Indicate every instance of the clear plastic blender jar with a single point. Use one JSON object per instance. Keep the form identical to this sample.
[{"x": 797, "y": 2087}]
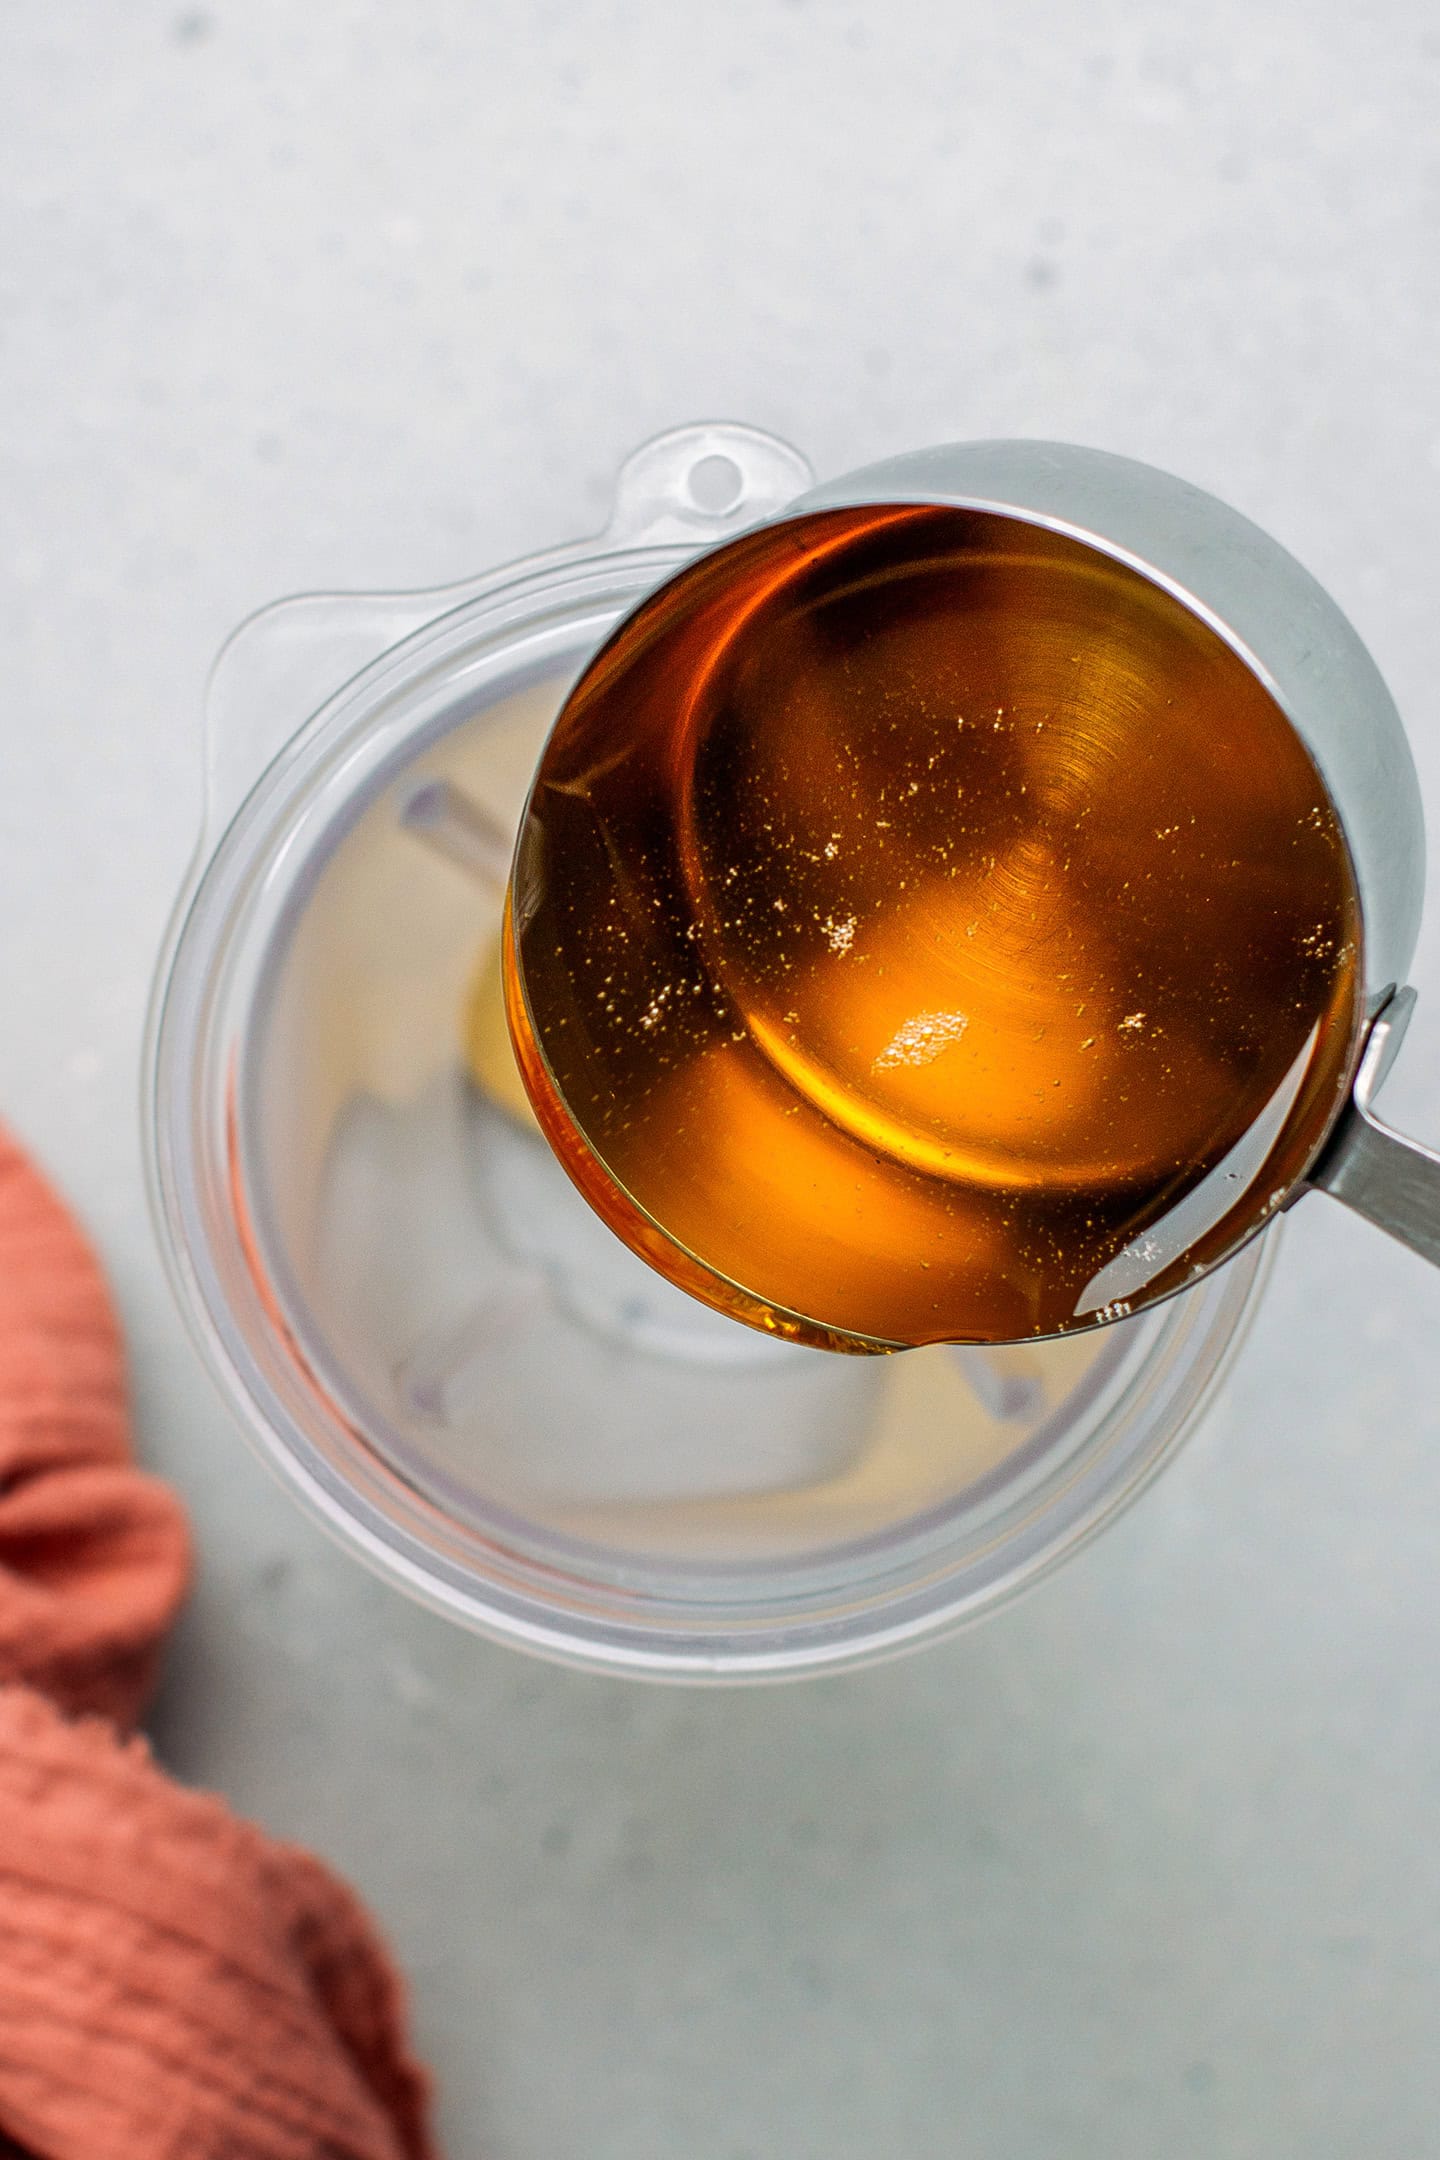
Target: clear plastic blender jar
[{"x": 419, "y": 1322}]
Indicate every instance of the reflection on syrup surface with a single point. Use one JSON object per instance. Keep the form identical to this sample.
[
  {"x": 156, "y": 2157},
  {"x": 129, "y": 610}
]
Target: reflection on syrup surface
[{"x": 914, "y": 907}]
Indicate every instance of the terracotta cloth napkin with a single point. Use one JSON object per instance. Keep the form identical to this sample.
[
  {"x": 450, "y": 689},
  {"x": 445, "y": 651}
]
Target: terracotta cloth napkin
[{"x": 173, "y": 1984}]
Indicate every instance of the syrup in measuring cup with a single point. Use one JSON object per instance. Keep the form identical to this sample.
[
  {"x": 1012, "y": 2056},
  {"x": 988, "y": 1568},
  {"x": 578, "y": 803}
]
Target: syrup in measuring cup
[{"x": 915, "y": 912}]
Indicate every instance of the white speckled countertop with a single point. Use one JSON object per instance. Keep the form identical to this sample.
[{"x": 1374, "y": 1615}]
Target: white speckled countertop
[{"x": 356, "y": 295}]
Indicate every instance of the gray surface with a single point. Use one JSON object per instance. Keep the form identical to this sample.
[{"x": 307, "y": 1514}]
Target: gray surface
[{"x": 352, "y": 295}]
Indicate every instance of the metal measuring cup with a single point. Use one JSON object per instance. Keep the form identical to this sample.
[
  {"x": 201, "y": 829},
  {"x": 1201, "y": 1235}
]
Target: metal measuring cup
[
  {"x": 1298, "y": 646},
  {"x": 1291, "y": 634}
]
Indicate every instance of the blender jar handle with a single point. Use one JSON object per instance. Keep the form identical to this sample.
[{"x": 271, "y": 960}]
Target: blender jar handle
[{"x": 1393, "y": 1182}]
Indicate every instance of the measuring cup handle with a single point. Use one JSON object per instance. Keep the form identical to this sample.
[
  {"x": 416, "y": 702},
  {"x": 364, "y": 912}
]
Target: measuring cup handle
[{"x": 1393, "y": 1182}]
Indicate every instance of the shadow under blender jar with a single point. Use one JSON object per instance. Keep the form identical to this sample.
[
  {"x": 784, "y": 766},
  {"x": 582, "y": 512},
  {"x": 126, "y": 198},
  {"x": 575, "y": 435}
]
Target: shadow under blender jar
[{"x": 421, "y": 1324}]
